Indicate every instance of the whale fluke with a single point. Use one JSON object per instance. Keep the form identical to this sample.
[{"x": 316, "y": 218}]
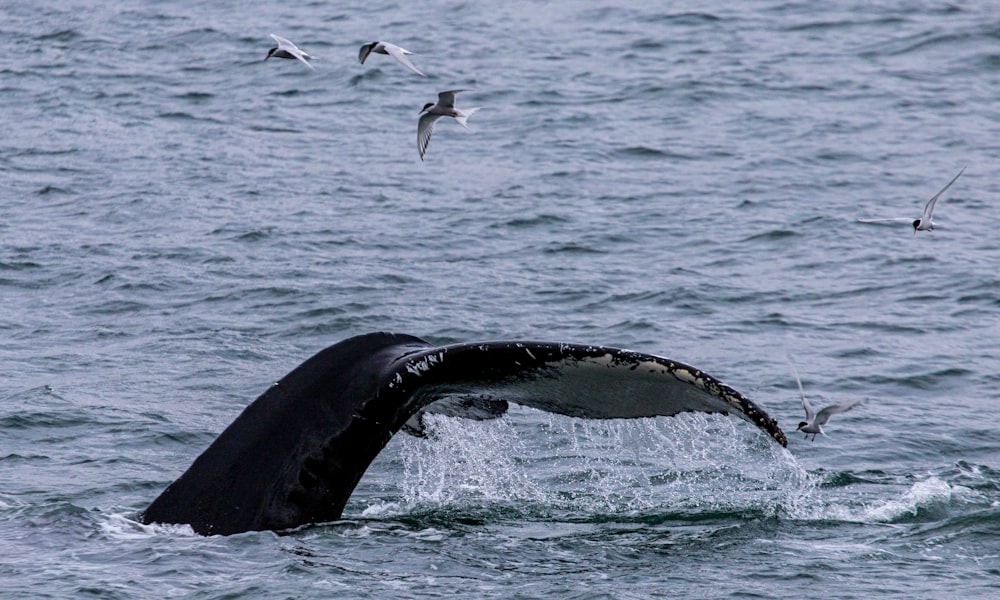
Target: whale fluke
[{"x": 295, "y": 455}]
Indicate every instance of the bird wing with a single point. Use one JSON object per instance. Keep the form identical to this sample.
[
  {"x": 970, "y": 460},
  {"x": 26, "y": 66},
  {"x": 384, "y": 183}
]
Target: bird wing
[
  {"x": 805, "y": 403},
  {"x": 447, "y": 99},
  {"x": 885, "y": 220},
  {"x": 400, "y": 55},
  {"x": 810, "y": 415},
  {"x": 425, "y": 127},
  {"x": 929, "y": 209},
  {"x": 292, "y": 49},
  {"x": 825, "y": 414},
  {"x": 365, "y": 51},
  {"x": 302, "y": 57}
]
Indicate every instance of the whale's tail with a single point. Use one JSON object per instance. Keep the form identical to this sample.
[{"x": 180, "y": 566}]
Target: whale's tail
[{"x": 295, "y": 455}]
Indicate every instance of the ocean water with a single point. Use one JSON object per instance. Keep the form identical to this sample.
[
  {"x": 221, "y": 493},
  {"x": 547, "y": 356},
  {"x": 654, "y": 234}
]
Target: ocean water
[{"x": 182, "y": 223}]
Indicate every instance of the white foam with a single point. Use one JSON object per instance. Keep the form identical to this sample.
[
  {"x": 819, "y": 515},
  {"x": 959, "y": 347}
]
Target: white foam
[
  {"x": 922, "y": 494},
  {"x": 382, "y": 509},
  {"x": 120, "y": 527}
]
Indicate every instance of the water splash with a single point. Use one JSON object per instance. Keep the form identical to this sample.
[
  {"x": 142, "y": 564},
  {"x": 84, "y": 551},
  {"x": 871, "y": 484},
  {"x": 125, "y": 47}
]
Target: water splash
[
  {"x": 692, "y": 463},
  {"x": 466, "y": 459},
  {"x": 691, "y": 466}
]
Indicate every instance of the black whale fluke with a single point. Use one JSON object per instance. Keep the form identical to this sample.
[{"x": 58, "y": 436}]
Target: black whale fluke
[{"x": 295, "y": 455}]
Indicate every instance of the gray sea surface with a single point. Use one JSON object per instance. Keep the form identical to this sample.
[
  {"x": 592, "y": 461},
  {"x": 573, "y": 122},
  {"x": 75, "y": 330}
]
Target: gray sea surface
[{"x": 182, "y": 223}]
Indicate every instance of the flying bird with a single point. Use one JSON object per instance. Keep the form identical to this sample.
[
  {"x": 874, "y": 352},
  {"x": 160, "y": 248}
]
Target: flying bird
[
  {"x": 925, "y": 222},
  {"x": 286, "y": 49},
  {"x": 431, "y": 112},
  {"x": 814, "y": 421},
  {"x": 390, "y": 49}
]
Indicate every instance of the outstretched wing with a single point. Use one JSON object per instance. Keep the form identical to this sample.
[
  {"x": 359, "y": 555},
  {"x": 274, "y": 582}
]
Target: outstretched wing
[
  {"x": 295, "y": 455},
  {"x": 447, "y": 99},
  {"x": 400, "y": 55},
  {"x": 929, "y": 208},
  {"x": 425, "y": 129},
  {"x": 365, "y": 51},
  {"x": 824, "y": 415},
  {"x": 283, "y": 43},
  {"x": 887, "y": 220},
  {"x": 805, "y": 403}
]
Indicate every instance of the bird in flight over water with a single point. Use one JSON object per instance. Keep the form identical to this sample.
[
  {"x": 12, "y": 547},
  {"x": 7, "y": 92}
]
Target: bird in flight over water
[
  {"x": 390, "y": 49},
  {"x": 814, "y": 421},
  {"x": 286, "y": 49},
  {"x": 925, "y": 222},
  {"x": 431, "y": 112}
]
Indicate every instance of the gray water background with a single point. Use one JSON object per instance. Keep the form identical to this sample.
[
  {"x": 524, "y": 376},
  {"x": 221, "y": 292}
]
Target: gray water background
[{"x": 182, "y": 223}]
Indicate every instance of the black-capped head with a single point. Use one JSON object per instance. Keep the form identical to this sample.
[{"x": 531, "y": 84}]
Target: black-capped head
[
  {"x": 270, "y": 53},
  {"x": 426, "y": 106},
  {"x": 801, "y": 425},
  {"x": 916, "y": 224}
]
